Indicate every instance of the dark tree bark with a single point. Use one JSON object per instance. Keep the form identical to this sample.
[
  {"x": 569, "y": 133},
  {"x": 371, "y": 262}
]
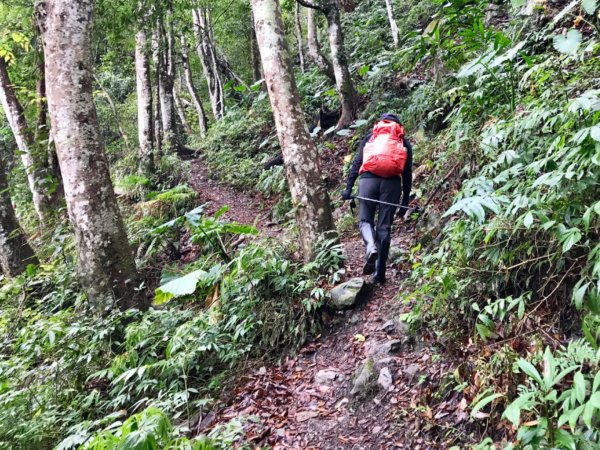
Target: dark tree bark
[
  {"x": 15, "y": 251},
  {"x": 313, "y": 208},
  {"x": 106, "y": 266}
]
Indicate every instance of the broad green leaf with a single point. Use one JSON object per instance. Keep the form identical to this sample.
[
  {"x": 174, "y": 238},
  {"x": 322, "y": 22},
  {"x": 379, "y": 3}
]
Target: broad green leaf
[
  {"x": 589, "y": 6},
  {"x": 528, "y": 368},
  {"x": 595, "y": 399},
  {"x": 483, "y": 402},
  {"x": 565, "y": 439},
  {"x": 574, "y": 416},
  {"x": 573, "y": 237},
  {"x": 596, "y": 385},
  {"x": 579, "y": 386},
  {"x": 588, "y": 414},
  {"x": 549, "y": 369},
  {"x": 528, "y": 221},
  {"x": 568, "y": 44},
  {"x": 579, "y": 293},
  {"x": 595, "y": 133},
  {"x": 513, "y": 411},
  {"x": 179, "y": 287}
]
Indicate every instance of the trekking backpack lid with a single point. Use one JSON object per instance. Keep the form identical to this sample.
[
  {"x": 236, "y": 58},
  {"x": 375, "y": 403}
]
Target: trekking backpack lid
[{"x": 391, "y": 117}]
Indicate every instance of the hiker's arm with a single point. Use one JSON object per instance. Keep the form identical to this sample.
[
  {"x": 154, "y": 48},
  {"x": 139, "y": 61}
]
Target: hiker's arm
[
  {"x": 356, "y": 164},
  {"x": 407, "y": 174}
]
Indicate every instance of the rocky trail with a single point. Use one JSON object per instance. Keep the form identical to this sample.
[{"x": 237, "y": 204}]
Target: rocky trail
[{"x": 365, "y": 383}]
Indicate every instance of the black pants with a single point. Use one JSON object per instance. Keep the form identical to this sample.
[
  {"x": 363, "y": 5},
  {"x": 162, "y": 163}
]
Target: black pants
[{"x": 386, "y": 190}]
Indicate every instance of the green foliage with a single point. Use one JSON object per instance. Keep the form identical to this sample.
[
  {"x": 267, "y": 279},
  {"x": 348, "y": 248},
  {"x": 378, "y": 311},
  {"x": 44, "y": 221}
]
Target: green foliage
[{"x": 236, "y": 146}]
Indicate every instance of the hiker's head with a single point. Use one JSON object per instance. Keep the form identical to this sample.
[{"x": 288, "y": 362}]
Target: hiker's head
[{"x": 390, "y": 117}]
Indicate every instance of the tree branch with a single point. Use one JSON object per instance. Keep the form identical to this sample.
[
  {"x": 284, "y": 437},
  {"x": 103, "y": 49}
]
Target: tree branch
[{"x": 317, "y": 6}]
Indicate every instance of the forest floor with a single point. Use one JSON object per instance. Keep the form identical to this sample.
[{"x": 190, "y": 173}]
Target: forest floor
[{"x": 306, "y": 401}]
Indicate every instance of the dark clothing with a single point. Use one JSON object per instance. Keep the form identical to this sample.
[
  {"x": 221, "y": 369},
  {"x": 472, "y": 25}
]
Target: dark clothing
[
  {"x": 386, "y": 190},
  {"x": 389, "y": 190},
  {"x": 405, "y": 179}
]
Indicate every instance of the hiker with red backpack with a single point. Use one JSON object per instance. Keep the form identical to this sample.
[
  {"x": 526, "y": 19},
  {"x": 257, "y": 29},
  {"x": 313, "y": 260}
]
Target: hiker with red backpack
[{"x": 384, "y": 164}]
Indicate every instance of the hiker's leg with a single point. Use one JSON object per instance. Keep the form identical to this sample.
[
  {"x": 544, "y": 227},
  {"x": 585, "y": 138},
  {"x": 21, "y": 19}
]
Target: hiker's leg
[
  {"x": 390, "y": 192},
  {"x": 369, "y": 188}
]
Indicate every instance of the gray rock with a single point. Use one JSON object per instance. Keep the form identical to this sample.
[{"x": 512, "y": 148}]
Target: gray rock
[
  {"x": 364, "y": 378},
  {"x": 395, "y": 327},
  {"x": 412, "y": 371},
  {"x": 385, "y": 379},
  {"x": 327, "y": 376},
  {"x": 396, "y": 254},
  {"x": 347, "y": 294},
  {"x": 391, "y": 347}
]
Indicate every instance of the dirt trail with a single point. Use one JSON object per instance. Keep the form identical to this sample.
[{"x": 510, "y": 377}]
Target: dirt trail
[
  {"x": 306, "y": 402},
  {"x": 243, "y": 207}
]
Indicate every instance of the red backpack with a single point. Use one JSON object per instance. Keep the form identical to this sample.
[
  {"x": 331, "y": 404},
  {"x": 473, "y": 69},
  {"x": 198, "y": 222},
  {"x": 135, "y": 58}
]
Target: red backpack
[{"x": 384, "y": 155}]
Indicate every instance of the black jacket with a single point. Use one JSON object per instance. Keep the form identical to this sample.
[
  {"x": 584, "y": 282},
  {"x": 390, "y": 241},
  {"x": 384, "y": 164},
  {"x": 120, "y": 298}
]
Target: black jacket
[{"x": 406, "y": 174}]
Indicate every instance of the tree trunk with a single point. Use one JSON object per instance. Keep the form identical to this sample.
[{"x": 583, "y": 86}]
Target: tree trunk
[
  {"x": 181, "y": 113},
  {"x": 255, "y": 55},
  {"x": 300, "y": 43},
  {"x": 42, "y": 131},
  {"x": 158, "y": 131},
  {"x": 15, "y": 251},
  {"x": 189, "y": 82},
  {"x": 166, "y": 80},
  {"x": 343, "y": 79},
  {"x": 314, "y": 47},
  {"x": 34, "y": 160},
  {"x": 106, "y": 266},
  {"x": 348, "y": 5},
  {"x": 144, "y": 103},
  {"x": 313, "y": 209},
  {"x": 393, "y": 26},
  {"x": 208, "y": 58}
]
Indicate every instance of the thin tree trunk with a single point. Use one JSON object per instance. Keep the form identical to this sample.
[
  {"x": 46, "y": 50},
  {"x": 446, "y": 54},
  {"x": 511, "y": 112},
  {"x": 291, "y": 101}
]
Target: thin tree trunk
[
  {"x": 255, "y": 54},
  {"x": 313, "y": 209},
  {"x": 181, "y": 114},
  {"x": 393, "y": 26},
  {"x": 34, "y": 161},
  {"x": 114, "y": 110},
  {"x": 299, "y": 40},
  {"x": 189, "y": 82},
  {"x": 106, "y": 266},
  {"x": 42, "y": 131},
  {"x": 158, "y": 131},
  {"x": 15, "y": 251},
  {"x": 343, "y": 79},
  {"x": 314, "y": 47},
  {"x": 144, "y": 103},
  {"x": 208, "y": 58},
  {"x": 226, "y": 69},
  {"x": 167, "y": 84}
]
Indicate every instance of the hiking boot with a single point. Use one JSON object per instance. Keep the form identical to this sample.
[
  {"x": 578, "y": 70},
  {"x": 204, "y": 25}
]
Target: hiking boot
[
  {"x": 381, "y": 261},
  {"x": 371, "y": 261},
  {"x": 379, "y": 279}
]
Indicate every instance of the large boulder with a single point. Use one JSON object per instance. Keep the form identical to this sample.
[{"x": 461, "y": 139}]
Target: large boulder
[{"x": 347, "y": 294}]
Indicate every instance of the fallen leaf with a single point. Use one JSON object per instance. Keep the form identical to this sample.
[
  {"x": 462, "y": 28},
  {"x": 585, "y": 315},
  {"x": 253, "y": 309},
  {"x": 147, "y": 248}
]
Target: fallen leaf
[
  {"x": 359, "y": 338},
  {"x": 303, "y": 416}
]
